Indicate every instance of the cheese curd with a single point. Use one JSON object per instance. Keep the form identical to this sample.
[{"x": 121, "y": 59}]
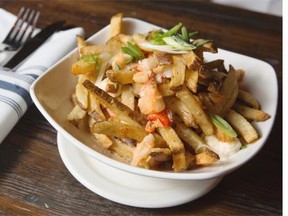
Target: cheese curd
[{"x": 223, "y": 149}]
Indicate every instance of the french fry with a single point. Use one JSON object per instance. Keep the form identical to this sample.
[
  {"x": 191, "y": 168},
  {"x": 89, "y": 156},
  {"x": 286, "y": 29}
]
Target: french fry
[
  {"x": 191, "y": 79},
  {"x": 190, "y": 159},
  {"x": 177, "y": 106},
  {"x": 113, "y": 45},
  {"x": 81, "y": 96},
  {"x": 91, "y": 77},
  {"x": 116, "y": 106},
  {"x": 123, "y": 76},
  {"x": 101, "y": 73},
  {"x": 196, "y": 110},
  {"x": 172, "y": 139},
  {"x": 91, "y": 121},
  {"x": 163, "y": 58},
  {"x": 118, "y": 129},
  {"x": 159, "y": 141},
  {"x": 94, "y": 109},
  {"x": 116, "y": 24},
  {"x": 80, "y": 43},
  {"x": 124, "y": 38},
  {"x": 178, "y": 74},
  {"x": 248, "y": 98},
  {"x": 92, "y": 50},
  {"x": 76, "y": 115},
  {"x": 165, "y": 90},
  {"x": 192, "y": 61},
  {"x": 127, "y": 96},
  {"x": 161, "y": 154},
  {"x": 229, "y": 91},
  {"x": 103, "y": 139},
  {"x": 151, "y": 163},
  {"x": 206, "y": 157},
  {"x": 179, "y": 161},
  {"x": 240, "y": 124},
  {"x": 83, "y": 67},
  {"x": 123, "y": 151},
  {"x": 251, "y": 113},
  {"x": 207, "y": 104},
  {"x": 191, "y": 138}
]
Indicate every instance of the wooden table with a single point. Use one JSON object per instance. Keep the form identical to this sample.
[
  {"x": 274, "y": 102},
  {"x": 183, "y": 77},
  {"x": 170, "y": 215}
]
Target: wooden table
[{"x": 33, "y": 178}]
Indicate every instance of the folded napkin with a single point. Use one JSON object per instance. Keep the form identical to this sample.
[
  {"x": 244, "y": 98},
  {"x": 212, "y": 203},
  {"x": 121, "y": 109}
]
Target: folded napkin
[{"x": 14, "y": 86}]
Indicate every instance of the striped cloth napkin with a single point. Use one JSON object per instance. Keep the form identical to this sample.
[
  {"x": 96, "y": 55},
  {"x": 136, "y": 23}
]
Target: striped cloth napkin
[{"x": 14, "y": 86}]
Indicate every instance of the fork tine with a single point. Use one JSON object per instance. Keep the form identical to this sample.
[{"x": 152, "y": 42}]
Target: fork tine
[
  {"x": 20, "y": 32},
  {"x": 30, "y": 24},
  {"x": 33, "y": 24},
  {"x": 14, "y": 28}
]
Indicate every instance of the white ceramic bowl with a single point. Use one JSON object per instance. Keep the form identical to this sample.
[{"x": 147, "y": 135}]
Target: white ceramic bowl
[{"x": 135, "y": 186}]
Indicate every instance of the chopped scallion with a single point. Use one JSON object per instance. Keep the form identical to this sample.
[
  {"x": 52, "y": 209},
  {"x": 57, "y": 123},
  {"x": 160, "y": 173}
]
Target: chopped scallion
[
  {"x": 201, "y": 43},
  {"x": 133, "y": 50},
  {"x": 92, "y": 59},
  {"x": 185, "y": 35},
  {"x": 223, "y": 125},
  {"x": 173, "y": 30},
  {"x": 192, "y": 34},
  {"x": 178, "y": 43}
]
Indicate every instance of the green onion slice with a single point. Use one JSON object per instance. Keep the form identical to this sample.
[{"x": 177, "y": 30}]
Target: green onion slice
[
  {"x": 162, "y": 48},
  {"x": 178, "y": 38},
  {"x": 192, "y": 34},
  {"x": 223, "y": 125},
  {"x": 201, "y": 43},
  {"x": 178, "y": 43},
  {"x": 133, "y": 50},
  {"x": 92, "y": 59},
  {"x": 185, "y": 34},
  {"x": 173, "y": 31}
]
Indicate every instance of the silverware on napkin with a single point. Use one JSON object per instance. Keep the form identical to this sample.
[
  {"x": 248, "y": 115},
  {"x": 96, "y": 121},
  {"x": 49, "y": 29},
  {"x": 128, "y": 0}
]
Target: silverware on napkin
[
  {"x": 15, "y": 84},
  {"x": 21, "y": 30},
  {"x": 33, "y": 44}
]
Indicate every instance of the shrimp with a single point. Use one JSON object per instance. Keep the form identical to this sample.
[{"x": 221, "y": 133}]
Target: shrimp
[
  {"x": 149, "y": 63},
  {"x": 142, "y": 77},
  {"x": 143, "y": 149},
  {"x": 151, "y": 100}
]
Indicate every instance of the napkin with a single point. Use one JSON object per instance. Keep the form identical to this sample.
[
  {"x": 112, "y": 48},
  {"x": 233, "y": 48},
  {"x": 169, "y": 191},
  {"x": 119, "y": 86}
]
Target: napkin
[{"x": 14, "y": 86}]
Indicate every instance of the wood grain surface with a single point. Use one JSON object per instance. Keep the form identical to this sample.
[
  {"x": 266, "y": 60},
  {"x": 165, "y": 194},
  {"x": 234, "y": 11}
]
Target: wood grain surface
[{"x": 33, "y": 178}]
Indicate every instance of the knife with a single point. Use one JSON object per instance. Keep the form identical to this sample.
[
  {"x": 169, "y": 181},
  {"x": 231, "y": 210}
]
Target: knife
[{"x": 33, "y": 44}]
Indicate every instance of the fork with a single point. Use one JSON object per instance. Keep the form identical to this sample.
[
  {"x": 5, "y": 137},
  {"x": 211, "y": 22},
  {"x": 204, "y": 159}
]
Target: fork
[{"x": 21, "y": 30}]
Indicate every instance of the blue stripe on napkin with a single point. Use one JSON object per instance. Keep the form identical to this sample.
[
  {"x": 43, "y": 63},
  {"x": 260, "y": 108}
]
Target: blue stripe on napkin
[
  {"x": 28, "y": 78},
  {"x": 16, "y": 107},
  {"x": 18, "y": 90}
]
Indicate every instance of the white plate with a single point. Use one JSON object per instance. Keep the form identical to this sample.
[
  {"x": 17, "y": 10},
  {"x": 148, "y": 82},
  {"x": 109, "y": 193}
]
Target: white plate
[
  {"x": 126, "y": 188},
  {"x": 52, "y": 92}
]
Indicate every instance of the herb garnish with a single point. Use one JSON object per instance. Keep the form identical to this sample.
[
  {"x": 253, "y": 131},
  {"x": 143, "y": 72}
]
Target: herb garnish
[
  {"x": 133, "y": 50},
  {"x": 223, "y": 125},
  {"x": 92, "y": 59}
]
